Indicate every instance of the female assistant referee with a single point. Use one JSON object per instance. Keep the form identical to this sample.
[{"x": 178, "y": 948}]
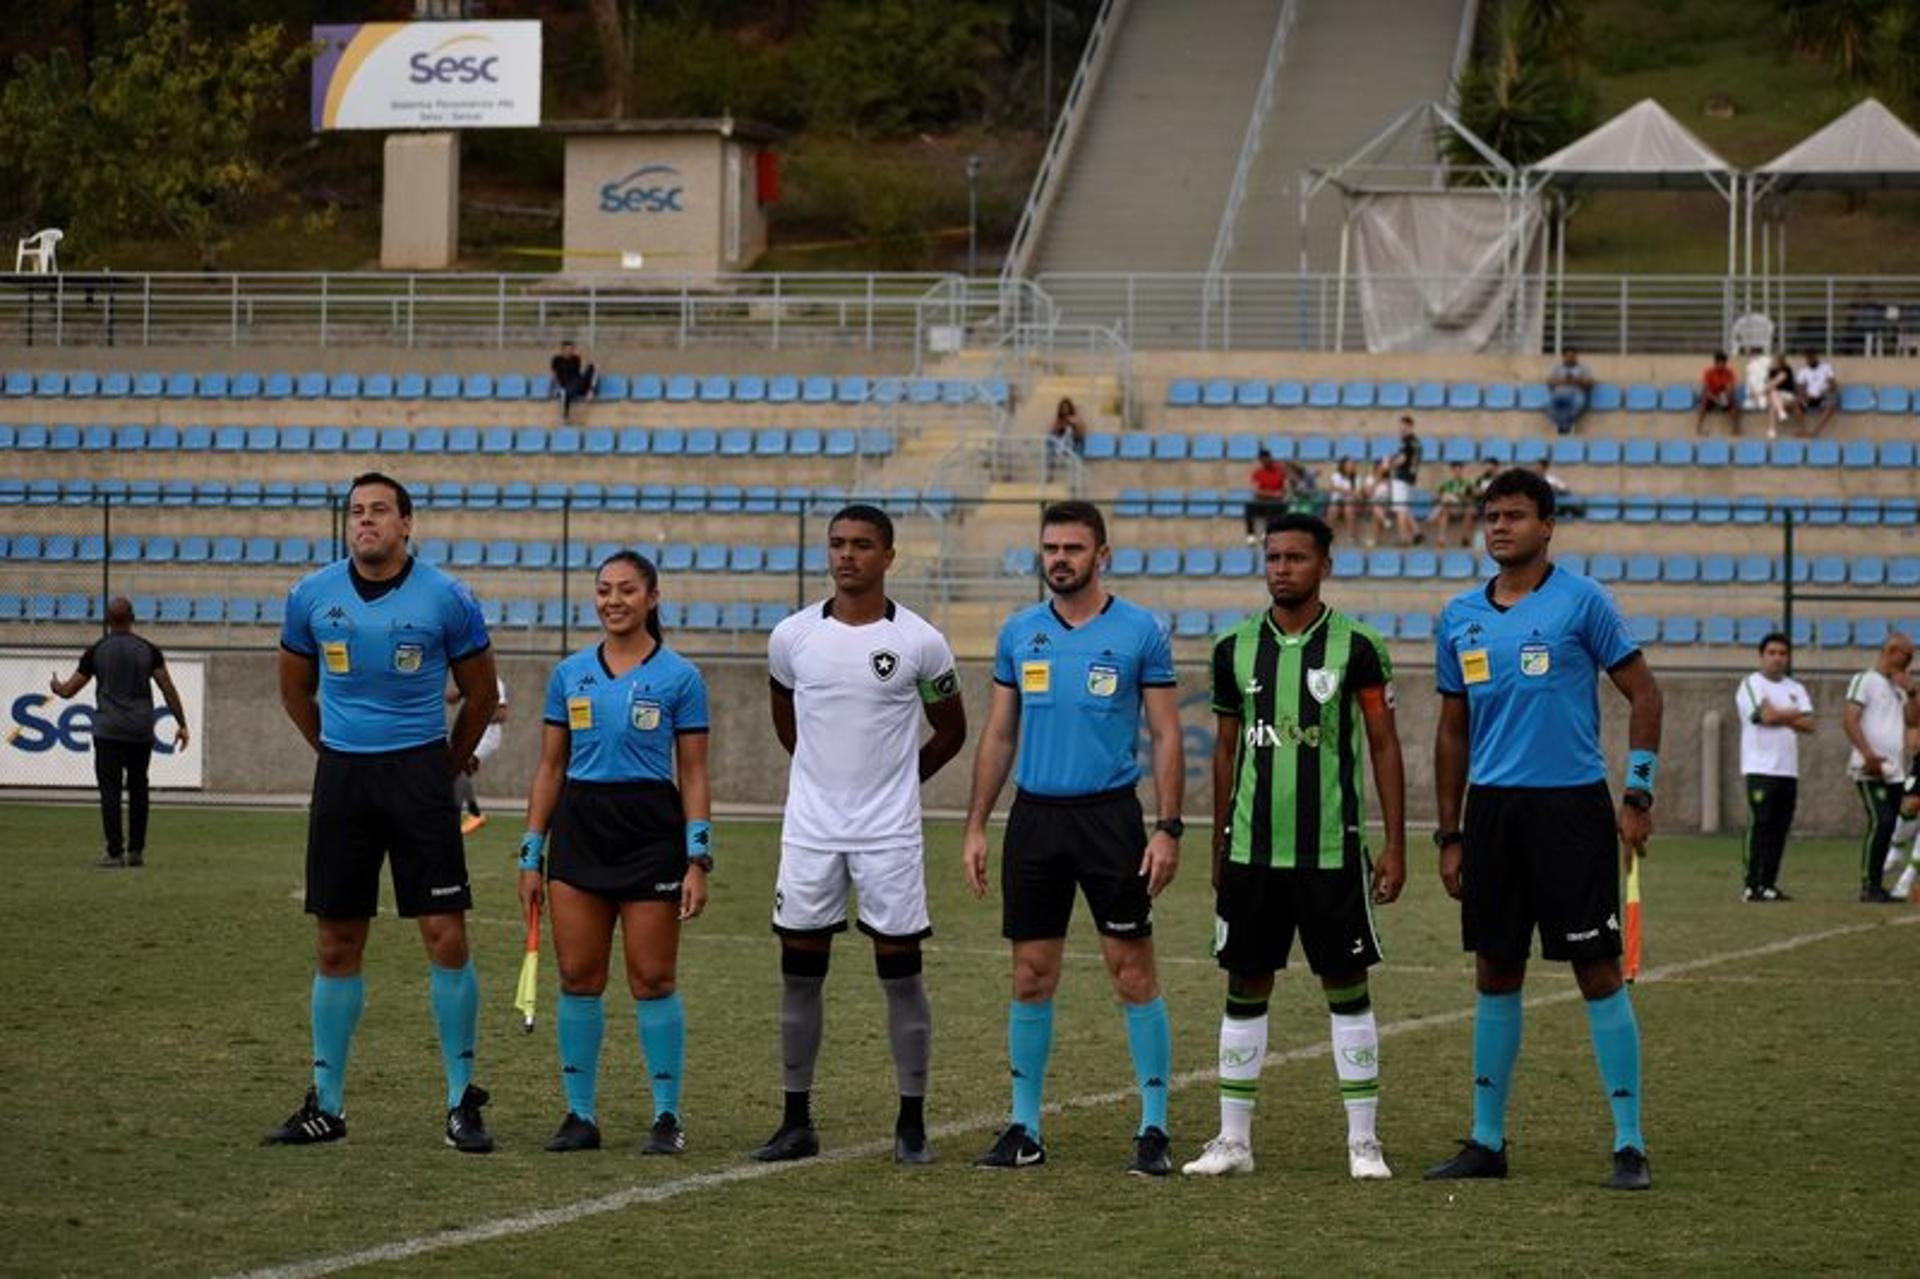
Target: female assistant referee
[{"x": 627, "y": 843}]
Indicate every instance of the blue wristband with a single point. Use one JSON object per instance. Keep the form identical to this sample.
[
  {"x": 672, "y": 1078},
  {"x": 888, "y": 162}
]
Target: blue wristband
[
  {"x": 1643, "y": 769},
  {"x": 533, "y": 851},
  {"x": 699, "y": 839}
]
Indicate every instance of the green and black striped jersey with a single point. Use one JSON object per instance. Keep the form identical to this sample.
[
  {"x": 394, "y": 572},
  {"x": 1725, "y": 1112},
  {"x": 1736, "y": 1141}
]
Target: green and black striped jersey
[{"x": 1297, "y": 773}]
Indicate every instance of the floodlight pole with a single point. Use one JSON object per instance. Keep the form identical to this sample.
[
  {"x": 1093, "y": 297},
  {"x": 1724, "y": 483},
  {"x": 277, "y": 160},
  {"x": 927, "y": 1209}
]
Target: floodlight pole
[{"x": 973, "y": 213}]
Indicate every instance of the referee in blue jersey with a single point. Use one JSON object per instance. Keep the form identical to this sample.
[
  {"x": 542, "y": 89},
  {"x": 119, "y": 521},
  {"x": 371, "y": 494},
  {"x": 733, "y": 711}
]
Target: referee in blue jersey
[
  {"x": 1518, "y": 663},
  {"x": 1071, "y": 678},
  {"x": 628, "y": 844},
  {"x": 364, "y": 656}
]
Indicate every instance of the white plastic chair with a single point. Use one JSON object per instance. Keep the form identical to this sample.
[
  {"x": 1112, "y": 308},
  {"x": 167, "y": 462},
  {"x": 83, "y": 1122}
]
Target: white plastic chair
[
  {"x": 35, "y": 254},
  {"x": 1750, "y": 333}
]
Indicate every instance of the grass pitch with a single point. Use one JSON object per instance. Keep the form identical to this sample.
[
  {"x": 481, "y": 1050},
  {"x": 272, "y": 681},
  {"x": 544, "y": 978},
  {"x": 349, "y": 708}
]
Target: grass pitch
[{"x": 154, "y": 1024}]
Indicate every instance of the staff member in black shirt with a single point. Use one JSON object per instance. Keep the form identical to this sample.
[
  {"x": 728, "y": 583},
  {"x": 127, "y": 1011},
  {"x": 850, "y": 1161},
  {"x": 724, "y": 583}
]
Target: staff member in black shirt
[{"x": 125, "y": 666}]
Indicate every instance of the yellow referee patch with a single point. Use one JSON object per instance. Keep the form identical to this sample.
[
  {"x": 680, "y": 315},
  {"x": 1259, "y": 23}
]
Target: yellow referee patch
[
  {"x": 579, "y": 713},
  {"x": 1036, "y": 677},
  {"x": 335, "y": 653},
  {"x": 1473, "y": 666}
]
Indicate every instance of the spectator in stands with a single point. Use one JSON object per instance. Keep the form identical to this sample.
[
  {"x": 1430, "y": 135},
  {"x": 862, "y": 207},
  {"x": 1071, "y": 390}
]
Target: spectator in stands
[
  {"x": 1402, "y": 476},
  {"x": 572, "y": 380},
  {"x": 1068, "y": 429},
  {"x": 1758, "y": 367},
  {"x": 1345, "y": 494},
  {"x": 1719, "y": 392},
  {"x": 125, "y": 665},
  {"x": 1569, "y": 384},
  {"x": 1783, "y": 395},
  {"x": 1488, "y": 470},
  {"x": 1272, "y": 485},
  {"x": 1564, "y": 503},
  {"x": 1379, "y": 499},
  {"x": 1453, "y": 500},
  {"x": 1819, "y": 391}
]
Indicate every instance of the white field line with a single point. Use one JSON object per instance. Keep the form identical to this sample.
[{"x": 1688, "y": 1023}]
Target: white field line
[{"x": 549, "y": 1218}]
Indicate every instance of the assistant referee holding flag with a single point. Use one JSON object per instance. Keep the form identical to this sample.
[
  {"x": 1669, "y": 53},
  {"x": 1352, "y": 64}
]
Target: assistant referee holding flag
[
  {"x": 1518, "y": 663},
  {"x": 364, "y": 656}
]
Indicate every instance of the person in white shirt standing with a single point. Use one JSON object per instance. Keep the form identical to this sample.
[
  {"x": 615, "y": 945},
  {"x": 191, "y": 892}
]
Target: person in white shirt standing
[
  {"x": 1774, "y": 711},
  {"x": 850, "y": 676},
  {"x": 1876, "y": 724},
  {"x": 1819, "y": 389}
]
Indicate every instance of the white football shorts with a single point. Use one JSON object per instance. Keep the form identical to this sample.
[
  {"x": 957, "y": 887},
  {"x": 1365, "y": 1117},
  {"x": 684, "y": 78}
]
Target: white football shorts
[{"x": 810, "y": 894}]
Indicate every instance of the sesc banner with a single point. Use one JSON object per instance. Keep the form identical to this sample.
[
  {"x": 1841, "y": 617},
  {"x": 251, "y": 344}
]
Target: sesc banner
[
  {"x": 427, "y": 75},
  {"x": 49, "y": 742}
]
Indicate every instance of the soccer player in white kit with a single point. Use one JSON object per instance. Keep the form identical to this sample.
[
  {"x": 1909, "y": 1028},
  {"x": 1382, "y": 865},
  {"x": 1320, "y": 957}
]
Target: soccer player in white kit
[{"x": 850, "y": 678}]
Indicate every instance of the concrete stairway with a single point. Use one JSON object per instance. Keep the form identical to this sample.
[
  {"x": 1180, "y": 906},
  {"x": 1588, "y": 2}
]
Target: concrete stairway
[
  {"x": 1351, "y": 67},
  {"x": 1149, "y": 176}
]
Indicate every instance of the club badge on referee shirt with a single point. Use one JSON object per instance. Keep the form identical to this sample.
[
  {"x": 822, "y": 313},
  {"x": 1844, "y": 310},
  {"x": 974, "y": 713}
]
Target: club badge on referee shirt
[
  {"x": 1535, "y": 659},
  {"x": 644, "y": 715},
  {"x": 407, "y": 657},
  {"x": 1103, "y": 681},
  {"x": 884, "y": 664},
  {"x": 1323, "y": 682}
]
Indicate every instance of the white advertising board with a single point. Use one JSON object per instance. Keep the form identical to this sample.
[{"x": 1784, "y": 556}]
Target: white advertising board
[
  {"x": 426, "y": 75},
  {"x": 45, "y": 741}
]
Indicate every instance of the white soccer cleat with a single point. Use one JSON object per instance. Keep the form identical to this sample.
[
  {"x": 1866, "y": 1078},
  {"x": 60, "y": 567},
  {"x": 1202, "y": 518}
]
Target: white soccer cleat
[
  {"x": 1222, "y": 1157},
  {"x": 1903, "y": 887},
  {"x": 1892, "y": 862},
  {"x": 1367, "y": 1162}
]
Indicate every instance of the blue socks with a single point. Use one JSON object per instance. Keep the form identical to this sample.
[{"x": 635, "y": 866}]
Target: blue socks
[
  {"x": 1616, "y": 1044},
  {"x": 336, "y": 1011},
  {"x": 456, "y": 1015},
  {"x": 1029, "y": 1044},
  {"x": 663, "y": 1038},
  {"x": 1150, "y": 1039},
  {"x": 1496, "y": 1046},
  {"x": 581, "y": 1023}
]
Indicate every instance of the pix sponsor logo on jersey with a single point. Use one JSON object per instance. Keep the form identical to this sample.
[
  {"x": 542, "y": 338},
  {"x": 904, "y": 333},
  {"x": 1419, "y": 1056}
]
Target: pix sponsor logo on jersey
[
  {"x": 33, "y": 728},
  {"x": 651, "y": 188}
]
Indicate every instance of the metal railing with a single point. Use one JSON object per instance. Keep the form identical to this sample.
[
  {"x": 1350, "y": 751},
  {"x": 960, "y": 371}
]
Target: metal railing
[
  {"x": 1600, "y": 314},
  {"x": 237, "y": 309},
  {"x": 1066, "y": 129}
]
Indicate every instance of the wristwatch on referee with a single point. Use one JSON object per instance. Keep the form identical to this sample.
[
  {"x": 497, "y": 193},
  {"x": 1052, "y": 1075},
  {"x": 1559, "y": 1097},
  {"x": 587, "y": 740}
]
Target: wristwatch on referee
[
  {"x": 1442, "y": 838},
  {"x": 1171, "y": 826},
  {"x": 1637, "y": 799}
]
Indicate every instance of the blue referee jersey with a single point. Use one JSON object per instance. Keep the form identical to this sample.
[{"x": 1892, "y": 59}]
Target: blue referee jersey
[
  {"x": 1530, "y": 674},
  {"x": 383, "y": 649},
  {"x": 621, "y": 728},
  {"x": 1080, "y": 694}
]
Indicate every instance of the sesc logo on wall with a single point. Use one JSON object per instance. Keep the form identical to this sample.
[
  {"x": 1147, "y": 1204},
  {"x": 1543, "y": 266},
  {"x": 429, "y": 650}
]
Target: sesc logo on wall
[
  {"x": 45, "y": 741},
  {"x": 426, "y": 75}
]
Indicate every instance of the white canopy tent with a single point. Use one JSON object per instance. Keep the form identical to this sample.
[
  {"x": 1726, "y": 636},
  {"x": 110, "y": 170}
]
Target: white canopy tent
[
  {"x": 1642, "y": 148},
  {"x": 1439, "y": 251},
  {"x": 1868, "y": 148}
]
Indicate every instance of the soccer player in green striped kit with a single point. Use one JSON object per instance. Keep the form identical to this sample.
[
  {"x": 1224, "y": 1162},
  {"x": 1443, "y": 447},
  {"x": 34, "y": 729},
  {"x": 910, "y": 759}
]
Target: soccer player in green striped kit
[{"x": 1299, "y": 690}]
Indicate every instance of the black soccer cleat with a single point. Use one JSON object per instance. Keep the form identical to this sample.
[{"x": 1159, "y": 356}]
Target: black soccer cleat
[
  {"x": 1473, "y": 1162},
  {"x": 667, "y": 1137},
  {"x": 136, "y": 858},
  {"x": 1876, "y": 894},
  {"x": 111, "y": 861},
  {"x": 574, "y": 1133},
  {"x": 466, "y": 1130},
  {"x": 307, "y": 1126},
  {"x": 1630, "y": 1170},
  {"x": 910, "y": 1146},
  {"x": 796, "y": 1141},
  {"x": 1014, "y": 1148},
  {"x": 1772, "y": 894},
  {"x": 1152, "y": 1155}
]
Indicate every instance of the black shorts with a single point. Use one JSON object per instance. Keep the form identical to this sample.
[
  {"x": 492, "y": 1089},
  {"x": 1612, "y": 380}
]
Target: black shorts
[
  {"x": 1094, "y": 842},
  {"x": 621, "y": 840},
  {"x": 396, "y": 804},
  {"x": 1258, "y": 908},
  {"x": 1546, "y": 856}
]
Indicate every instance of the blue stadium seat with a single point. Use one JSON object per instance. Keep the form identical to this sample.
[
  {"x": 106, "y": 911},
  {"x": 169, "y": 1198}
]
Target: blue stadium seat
[
  {"x": 1676, "y": 397},
  {"x": 1642, "y": 569},
  {"x": 1644, "y": 629},
  {"x": 1714, "y": 453},
  {"x": 241, "y": 386},
  {"x": 1604, "y": 451},
  {"x": 1183, "y": 393},
  {"x": 1870, "y": 632},
  {"x": 1857, "y": 399},
  {"x": 176, "y": 386},
  {"x": 1530, "y": 450},
  {"x": 1834, "y": 632},
  {"x": 443, "y": 386},
  {"x": 1718, "y": 629},
  {"x": 1497, "y": 448},
  {"x": 1429, "y": 395},
  {"x": 1676, "y": 453},
  {"x": 17, "y": 383},
  {"x": 83, "y": 384},
  {"x": 1867, "y": 570},
  {"x": 1788, "y": 453},
  {"x": 1163, "y": 561},
  {"x": 1252, "y": 393},
  {"x": 1863, "y": 512},
  {"x": 1384, "y": 563},
  {"x": 1894, "y": 399},
  {"x": 689, "y": 499},
  {"x": 310, "y": 386},
  {"x": 227, "y": 550},
  {"x": 1127, "y": 561},
  {"x": 1357, "y": 395},
  {"x": 749, "y": 388},
  {"x": 1903, "y": 572},
  {"x": 277, "y": 386},
  {"x": 1683, "y": 569},
  {"x": 1200, "y": 561},
  {"x": 1829, "y": 570},
  {"x": 1387, "y": 623},
  {"x": 1823, "y": 453},
  {"x": 1681, "y": 631},
  {"x": 1416, "y": 627},
  {"x": 1170, "y": 447},
  {"x": 1640, "y": 452},
  {"x": 701, "y": 616},
  {"x": 1605, "y": 566},
  {"x": 510, "y": 386},
  {"x": 702, "y": 442},
  {"x": 347, "y": 386},
  {"x": 852, "y": 389},
  {"x": 1289, "y": 394},
  {"x": 477, "y": 386},
  {"x": 1323, "y": 395},
  {"x": 819, "y": 389},
  {"x": 841, "y": 442},
  {"x": 1859, "y": 455},
  {"x": 1463, "y": 395},
  {"x": 668, "y": 442},
  {"x": 1606, "y": 397},
  {"x": 1420, "y": 565},
  {"x": 1192, "y": 623},
  {"x": 409, "y": 386},
  {"x": 1219, "y": 393},
  {"x": 1500, "y": 397},
  {"x": 1394, "y": 395}
]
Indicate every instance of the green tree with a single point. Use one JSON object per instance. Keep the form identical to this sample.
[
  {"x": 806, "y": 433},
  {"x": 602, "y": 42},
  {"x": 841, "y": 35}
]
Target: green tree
[
  {"x": 160, "y": 135},
  {"x": 1839, "y": 31},
  {"x": 893, "y": 66},
  {"x": 1896, "y": 54},
  {"x": 1518, "y": 96}
]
